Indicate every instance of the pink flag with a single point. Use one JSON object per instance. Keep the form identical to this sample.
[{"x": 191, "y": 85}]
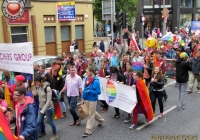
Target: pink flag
[{"x": 134, "y": 43}]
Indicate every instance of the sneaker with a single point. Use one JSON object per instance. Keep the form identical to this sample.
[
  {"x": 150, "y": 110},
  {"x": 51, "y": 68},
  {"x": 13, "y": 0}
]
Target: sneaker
[
  {"x": 198, "y": 91},
  {"x": 145, "y": 121},
  {"x": 86, "y": 134},
  {"x": 165, "y": 98},
  {"x": 127, "y": 120},
  {"x": 161, "y": 115},
  {"x": 100, "y": 124},
  {"x": 42, "y": 134},
  {"x": 63, "y": 115},
  {"x": 54, "y": 137},
  {"x": 189, "y": 92},
  {"x": 132, "y": 126},
  {"x": 104, "y": 110}
]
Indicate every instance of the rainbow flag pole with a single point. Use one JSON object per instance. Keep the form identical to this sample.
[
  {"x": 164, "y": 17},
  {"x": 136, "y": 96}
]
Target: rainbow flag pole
[{"x": 5, "y": 131}]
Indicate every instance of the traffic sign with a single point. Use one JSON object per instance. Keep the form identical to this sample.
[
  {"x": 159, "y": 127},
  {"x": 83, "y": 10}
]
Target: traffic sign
[{"x": 165, "y": 12}]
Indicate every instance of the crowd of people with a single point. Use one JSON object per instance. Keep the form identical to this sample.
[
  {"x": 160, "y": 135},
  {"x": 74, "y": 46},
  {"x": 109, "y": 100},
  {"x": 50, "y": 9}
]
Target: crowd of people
[{"x": 35, "y": 97}]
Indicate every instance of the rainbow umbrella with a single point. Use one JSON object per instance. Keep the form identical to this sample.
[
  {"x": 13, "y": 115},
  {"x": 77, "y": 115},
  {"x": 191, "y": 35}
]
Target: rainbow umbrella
[{"x": 168, "y": 38}]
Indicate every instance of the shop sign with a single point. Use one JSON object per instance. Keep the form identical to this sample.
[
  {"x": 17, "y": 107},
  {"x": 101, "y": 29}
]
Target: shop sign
[
  {"x": 13, "y": 9},
  {"x": 66, "y": 11},
  {"x": 25, "y": 19}
]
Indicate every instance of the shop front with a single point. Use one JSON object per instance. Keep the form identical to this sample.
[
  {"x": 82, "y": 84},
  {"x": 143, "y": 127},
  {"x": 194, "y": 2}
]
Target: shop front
[{"x": 51, "y": 33}]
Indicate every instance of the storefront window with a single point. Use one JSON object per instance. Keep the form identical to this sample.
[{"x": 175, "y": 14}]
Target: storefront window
[
  {"x": 19, "y": 34},
  {"x": 186, "y": 3},
  {"x": 159, "y": 3},
  {"x": 185, "y": 20},
  {"x": 197, "y": 3},
  {"x": 148, "y": 3}
]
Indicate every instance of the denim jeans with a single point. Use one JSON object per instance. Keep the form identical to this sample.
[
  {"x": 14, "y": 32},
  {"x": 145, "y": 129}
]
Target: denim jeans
[
  {"x": 50, "y": 116},
  {"x": 72, "y": 107},
  {"x": 159, "y": 95},
  {"x": 182, "y": 89}
]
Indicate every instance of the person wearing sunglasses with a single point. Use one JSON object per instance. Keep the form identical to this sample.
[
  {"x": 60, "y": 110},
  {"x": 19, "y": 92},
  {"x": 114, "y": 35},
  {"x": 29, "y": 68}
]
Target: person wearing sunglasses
[{"x": 25, "y": 118}]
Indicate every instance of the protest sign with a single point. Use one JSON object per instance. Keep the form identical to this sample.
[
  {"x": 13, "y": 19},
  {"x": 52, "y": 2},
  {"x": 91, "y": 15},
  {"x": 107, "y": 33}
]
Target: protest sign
[
  {"x": 170, "y": 69},
  {"x": 17, "y": 57},
  {"x": 115, "y": 95}
]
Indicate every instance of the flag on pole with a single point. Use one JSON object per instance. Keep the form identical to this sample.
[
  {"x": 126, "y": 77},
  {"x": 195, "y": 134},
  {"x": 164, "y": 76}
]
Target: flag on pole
[
  {"x": 133, "y": 43},
  {"x": 5, "y": 131}
]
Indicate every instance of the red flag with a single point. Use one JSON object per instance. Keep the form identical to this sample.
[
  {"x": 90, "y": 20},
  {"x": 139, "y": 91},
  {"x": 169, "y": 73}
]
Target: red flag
[
  {"x": 5, "y": 131},
  {"x": 133, "y": 43}
]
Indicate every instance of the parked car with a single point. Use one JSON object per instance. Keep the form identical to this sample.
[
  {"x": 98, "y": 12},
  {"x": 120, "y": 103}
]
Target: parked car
[{"x": 44, "y": 60}]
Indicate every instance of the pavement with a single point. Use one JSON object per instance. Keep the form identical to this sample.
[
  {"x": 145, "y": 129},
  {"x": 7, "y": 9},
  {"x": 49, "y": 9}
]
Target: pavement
[{"x": 175, "y": 125}]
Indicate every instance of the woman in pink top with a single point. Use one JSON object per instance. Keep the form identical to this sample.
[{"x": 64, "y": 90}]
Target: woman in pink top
[{"x": 4, "y": 106}]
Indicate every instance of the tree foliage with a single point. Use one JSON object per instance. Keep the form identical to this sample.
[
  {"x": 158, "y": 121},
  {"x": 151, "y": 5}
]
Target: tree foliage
[{"x": 128, "y": 6}]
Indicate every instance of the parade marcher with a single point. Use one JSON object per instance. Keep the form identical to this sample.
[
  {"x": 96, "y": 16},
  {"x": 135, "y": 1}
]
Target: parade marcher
[
  {"x": 147, "y": 69},
  {"x": 75, "y": 44},
  {"x": 26, "y": 124},
  {"x": 92, "y": 64},
  {"x": 73, "y": 85},
  {"x": 129, "y": 81},
  {"x": 116, "y": 76},
  {"x": 138, "y": 58},
  {"x": 81, "y": 66},
  {"x": 58, "y": 84},
  {"x": 157, "y": 89},
  {"x": 103, "y": 72},
  {"x": 114, "y": 60},
  {"x": 182, "y": 68},
  {"x": 36, "y": 69},
  {"x": 90, "y": 97},
  {"x": 19, "y": 82},
  {"x": 162, "y": 65},
  {"x": 143, "y": 100},
  {"x": 195, "y": 63},
  {"x": 122, "y": 64},
  {"x": 102, "y": 46},
  {"x": 4, "y": 106},
  {"x": 45, "y": 74},
  {"x": 98, "y": 58},
  {"x": 46, "y": 106}
]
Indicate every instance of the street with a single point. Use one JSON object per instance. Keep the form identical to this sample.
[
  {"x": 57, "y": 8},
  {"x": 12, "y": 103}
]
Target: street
[{"x": 175, "y": 123}]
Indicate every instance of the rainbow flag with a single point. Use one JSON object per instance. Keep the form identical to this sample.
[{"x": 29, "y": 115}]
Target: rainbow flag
[
  {"x": 144, "y": 95},
  {"x": 137, "y": 66},
  {"x": 5, "y": 131},
  {"x": 57, "y": 111},
  {"x": 156, "y": 61}
]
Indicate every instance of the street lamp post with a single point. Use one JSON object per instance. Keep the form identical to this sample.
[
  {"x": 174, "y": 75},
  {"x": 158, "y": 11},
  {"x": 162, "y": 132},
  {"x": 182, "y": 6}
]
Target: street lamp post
[{"x": 143, "y": 20}]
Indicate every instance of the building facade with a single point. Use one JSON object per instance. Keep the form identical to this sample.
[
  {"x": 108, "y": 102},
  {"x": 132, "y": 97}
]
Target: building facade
[
  {"x": 182, "y": 12},
  {"x": 50, "y": 36}
]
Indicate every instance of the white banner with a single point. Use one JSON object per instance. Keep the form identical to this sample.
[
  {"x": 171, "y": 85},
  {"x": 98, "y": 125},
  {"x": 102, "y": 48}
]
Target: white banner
[
  {"x": 117, "y": 95},
  {"x": 17, "y": 57}
]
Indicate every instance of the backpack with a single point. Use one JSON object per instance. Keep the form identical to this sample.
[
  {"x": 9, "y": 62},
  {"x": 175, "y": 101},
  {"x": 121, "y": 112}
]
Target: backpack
[{"x": 55, "y": 97}]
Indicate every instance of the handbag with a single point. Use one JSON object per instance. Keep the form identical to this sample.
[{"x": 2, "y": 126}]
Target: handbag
[
  {"x": 83, "y": 111},
  {"x": 146, "y": 74}
]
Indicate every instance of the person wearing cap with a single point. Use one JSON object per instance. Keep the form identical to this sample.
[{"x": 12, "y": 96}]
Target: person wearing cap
[
  {"x": 195, "y": 74},
  {"x": 19, "y": 79},
  {"x": 182, "y": 77},
  {"x": 81, "y": 66}
]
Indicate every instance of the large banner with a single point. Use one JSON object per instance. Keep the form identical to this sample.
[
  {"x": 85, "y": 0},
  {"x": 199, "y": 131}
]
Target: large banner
[
  {"x": 195, "y": 25},
  {"x": 171, "y": 69},
  {"x": 17, "y": 57},
  {"x": 118, "y": 95}
]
